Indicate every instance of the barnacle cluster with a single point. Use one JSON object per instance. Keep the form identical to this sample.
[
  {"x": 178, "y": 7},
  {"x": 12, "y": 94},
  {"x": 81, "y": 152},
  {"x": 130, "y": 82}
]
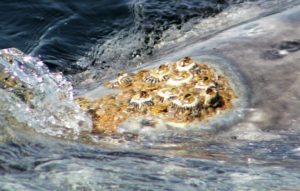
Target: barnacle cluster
[
  {"x": 182, "y": 92},
  {"x": 9, "y": 80}
]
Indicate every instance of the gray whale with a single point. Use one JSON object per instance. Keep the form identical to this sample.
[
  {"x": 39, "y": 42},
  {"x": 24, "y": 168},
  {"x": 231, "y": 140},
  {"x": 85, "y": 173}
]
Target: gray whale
[{"x": 265, "y": 53}]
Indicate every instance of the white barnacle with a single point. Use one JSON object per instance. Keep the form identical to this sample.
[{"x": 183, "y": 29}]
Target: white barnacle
[
  {"x": 157, "y": 75},
  {"x": 187, "y": 64},
  {"x": 140, "y": 100},
  {"x": 180, "y": 79},
  {"x": 123, "y": 80},
  {"x": 187, "y": 102},
  {"x": 112, "y": 84},
  {"x": 201, "y": 85},
  {"x": 166, "y": 94}
]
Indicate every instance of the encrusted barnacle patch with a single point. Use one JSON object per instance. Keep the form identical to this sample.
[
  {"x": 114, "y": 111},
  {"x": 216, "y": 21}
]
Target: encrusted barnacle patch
[{"x": 181, "y": 92}]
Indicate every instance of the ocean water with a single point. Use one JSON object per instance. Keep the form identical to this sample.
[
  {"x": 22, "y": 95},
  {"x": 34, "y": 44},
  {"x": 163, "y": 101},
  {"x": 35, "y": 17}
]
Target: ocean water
[
  {"x": 75, "y": 37},
  {"x": 92, "y": 40}
]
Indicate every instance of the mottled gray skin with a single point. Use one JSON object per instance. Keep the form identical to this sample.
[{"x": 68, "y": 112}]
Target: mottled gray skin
[{"x": 266, "y": 52}]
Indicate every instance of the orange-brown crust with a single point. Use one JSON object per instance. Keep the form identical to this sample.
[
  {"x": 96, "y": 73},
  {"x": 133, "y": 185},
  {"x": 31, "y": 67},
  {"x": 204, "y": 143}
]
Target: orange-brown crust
[{"x": 110, "y": 111}]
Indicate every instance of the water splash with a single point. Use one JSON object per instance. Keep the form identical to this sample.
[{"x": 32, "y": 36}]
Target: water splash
[{"x": 34, "y": 97}]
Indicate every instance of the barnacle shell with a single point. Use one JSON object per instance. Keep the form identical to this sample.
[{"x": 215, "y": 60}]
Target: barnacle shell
[
  {"x": 186, "y": 101},
  {"x": 204, "y": 86},
  {"x": 123, "y": 80},
  {"x": 7, "y": 80},
  {"x": 180, "y": 78},
  {"x": 11, "y": 82},
  {"x": 157, "y": 75},
  {"x": 185, "y": 64},
  {"x": 140, "y": 100},
  {"x": 166, "y": 94},
  {"x": 210, "y": 95}
]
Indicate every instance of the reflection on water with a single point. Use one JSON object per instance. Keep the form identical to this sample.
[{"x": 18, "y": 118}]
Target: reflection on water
[{"x": 213, "y": 159}]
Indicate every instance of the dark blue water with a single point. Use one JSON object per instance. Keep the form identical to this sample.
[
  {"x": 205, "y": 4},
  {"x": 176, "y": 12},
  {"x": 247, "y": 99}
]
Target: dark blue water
[
  {"x": 88, "y": 40},
  {"x": 62, "y": 32}
]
